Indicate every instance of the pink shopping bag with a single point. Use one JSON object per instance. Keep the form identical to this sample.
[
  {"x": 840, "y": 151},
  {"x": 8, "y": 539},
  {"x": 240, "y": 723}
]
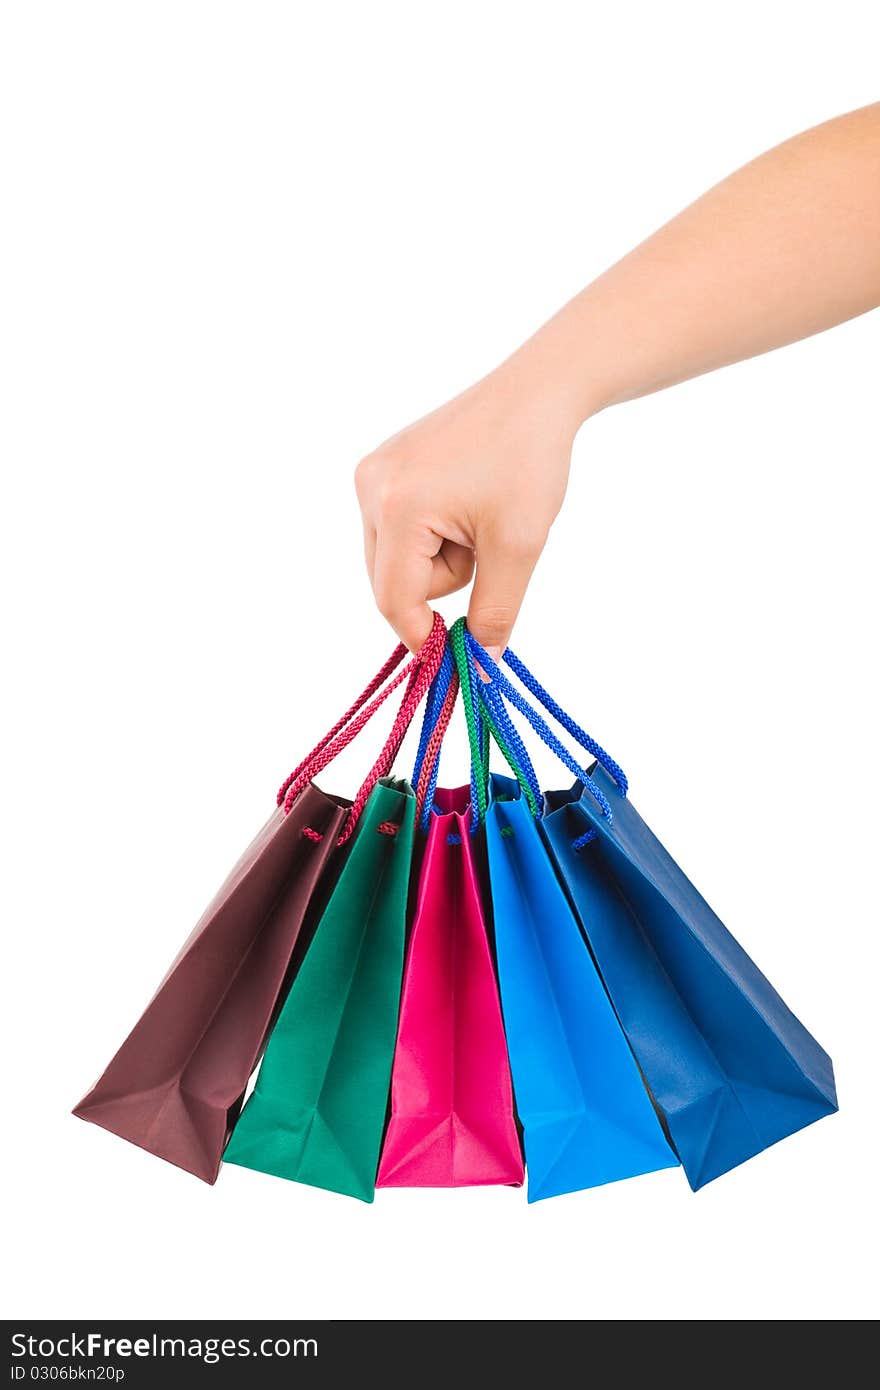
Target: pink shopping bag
[{"x": 452, "y": 1122}]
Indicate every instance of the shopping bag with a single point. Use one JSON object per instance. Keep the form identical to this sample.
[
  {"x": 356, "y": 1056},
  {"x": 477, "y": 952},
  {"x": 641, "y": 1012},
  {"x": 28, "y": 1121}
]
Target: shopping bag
[
  {"x": 176, "y": 1079},
  {"x": 318, "y": 1108},
  {"x": 452, "y": 1122},
  {"x": 586, "y": 1114},
  {"x": 729, "y": 1065},
  {"x": 176, "y": 1084},
  {"x": 587, "y": 1117}
]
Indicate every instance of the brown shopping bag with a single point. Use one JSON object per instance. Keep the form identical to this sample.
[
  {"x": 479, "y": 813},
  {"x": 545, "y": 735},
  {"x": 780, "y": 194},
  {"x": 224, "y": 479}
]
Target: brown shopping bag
[{"x": 176, "y": 1084}]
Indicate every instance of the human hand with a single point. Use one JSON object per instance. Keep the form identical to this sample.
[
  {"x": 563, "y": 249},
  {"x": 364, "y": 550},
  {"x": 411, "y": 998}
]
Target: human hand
[
  {"x": 784, "y": 247},
  {"x": 474, "y": 486}
]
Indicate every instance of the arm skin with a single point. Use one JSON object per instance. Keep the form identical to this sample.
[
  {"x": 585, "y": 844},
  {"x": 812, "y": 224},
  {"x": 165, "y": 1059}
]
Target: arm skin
[{"x": 787, "y": 246}]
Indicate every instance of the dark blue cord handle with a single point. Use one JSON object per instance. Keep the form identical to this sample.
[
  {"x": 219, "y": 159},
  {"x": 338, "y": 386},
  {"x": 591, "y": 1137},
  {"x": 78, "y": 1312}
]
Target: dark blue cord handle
[
  {"x": 541, "y": 728},
  {"x": 533, "y": 685}
]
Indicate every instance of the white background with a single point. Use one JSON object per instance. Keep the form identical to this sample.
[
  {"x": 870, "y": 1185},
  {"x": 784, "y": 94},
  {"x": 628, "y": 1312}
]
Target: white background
[{"x": 242, "y": 244}]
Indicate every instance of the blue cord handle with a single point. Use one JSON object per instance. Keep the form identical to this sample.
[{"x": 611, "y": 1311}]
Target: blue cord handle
[
  {"x": 436, "y": 695},
  {"x": 542, "y": 729},
  {"x": 486, "y": 693},
  {"x": 430, "y": 791},
  {"x": 508, "y": 729}
]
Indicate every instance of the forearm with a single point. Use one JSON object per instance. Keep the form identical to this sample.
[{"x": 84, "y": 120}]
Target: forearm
[{"x": 787, "y": 246}]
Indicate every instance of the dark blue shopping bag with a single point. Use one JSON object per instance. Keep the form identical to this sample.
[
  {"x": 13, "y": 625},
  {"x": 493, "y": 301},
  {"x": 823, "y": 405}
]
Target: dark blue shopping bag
[
  {"x": 729, "y": 1065},
  {"x": 586, "y": 1115}
]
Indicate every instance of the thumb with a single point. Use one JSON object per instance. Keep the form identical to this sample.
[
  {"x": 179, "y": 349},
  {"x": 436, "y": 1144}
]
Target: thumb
[{"x": 505, "y": 562}]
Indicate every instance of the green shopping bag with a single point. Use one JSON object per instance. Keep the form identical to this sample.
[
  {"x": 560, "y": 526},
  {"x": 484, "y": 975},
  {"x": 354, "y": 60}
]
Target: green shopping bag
[{"x": 318, "y": 1110}]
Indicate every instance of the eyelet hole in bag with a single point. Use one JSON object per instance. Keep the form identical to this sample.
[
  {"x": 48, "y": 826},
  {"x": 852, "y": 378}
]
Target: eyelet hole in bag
[{"x": 583, "y": 840}]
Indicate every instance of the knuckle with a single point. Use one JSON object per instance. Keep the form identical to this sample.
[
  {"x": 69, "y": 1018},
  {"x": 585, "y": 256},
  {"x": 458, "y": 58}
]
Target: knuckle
[
  {"x": 492, "y": 623},
  {"x": 387, "y": 596},
  {"x": 394, "y": 494},
  {"x": 366, "y": 475},
  {"x": 384, "y": 486},
  {"x": 524, "y": 541},
  {"x": 385, "y": 601}
]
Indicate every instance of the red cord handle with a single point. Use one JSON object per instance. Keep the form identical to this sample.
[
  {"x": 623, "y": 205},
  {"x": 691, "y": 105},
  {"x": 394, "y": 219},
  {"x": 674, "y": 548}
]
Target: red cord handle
[
  {"x": 421, "y": 671},
  {"x": 326, "y": 751},
  {"x": 379, "y": 679},
  {"x": 430, "y": 657}
]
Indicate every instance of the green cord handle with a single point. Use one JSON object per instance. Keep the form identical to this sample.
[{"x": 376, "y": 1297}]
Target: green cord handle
[
  {"x": 480, "y": 748},
  {"x": 479, "y": 758}
]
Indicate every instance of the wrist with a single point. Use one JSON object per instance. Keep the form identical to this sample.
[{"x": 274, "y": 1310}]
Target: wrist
[{"x": 559, "y": 372}]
